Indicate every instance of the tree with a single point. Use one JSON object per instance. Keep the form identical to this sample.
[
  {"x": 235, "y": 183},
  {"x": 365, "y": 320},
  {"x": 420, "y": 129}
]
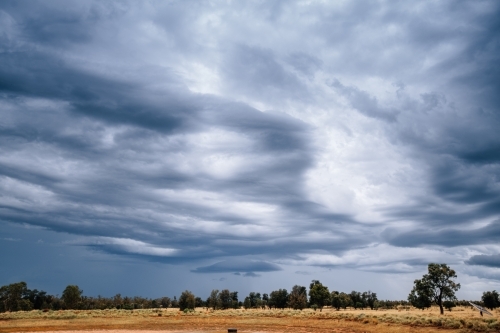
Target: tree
[
  {"x": 370, "y": 298},
  {"x": 265, "y": 301},
  {"x": 187, "y": 301},
  {"x": 346, "y": 300},
  {"x": 318, "y": 294},
  {"x": 297, "y": 299},
  {"x": 39, "y": 299},
  {"x": 247, "y": 303},
  {"x": 278, "y": 299},
  {"x": 437, "y": 286},
  {"x": 199, "y": 302},
  {"x": 421, "y": 295},
  {"x": 340, "y": 300},
  {"x": 165, "y": 302},
  {"x": 175, "y": 302},
  {"x": 336, "y": 300},
  {"x": 15, "y": 297},
  {"x": 254, "y": 300},
  {"x": 234, "y": 299},
  {"x": 72, "y": 296},
  {"x": 117, "y": 301},
  {"x": 225, "y": 299},
  {"x": 213, "y": 299},
  {"x": 491, "y": 299},
  {"x": 357, "y": 300},
  {"x": 448, "y": 305}
]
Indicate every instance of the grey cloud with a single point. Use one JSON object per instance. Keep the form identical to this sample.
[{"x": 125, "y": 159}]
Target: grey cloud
[
  {"x": 240, "y": 265},
  {"x": 305, "y": 63},
  {"x": 485, "y": 260},
  {"x": 105, "y": 99},
  {"x": 104, "y": 133},
  {"x": 364, "y": 103},
  {"x": 486, "y": 155},
  {"x": 255, "y": 71},
  {"x": 469, "y": 183},
  {"x": 448, "y": 237},
  {"x": 69, "y": 25}
]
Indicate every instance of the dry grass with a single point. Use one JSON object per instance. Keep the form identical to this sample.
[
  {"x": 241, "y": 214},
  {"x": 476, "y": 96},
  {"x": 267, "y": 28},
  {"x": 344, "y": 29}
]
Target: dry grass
[{"x": 461, "y": 319}]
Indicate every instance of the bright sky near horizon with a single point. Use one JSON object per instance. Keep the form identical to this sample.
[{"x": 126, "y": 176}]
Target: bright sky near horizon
[{"x": 156, "y": 146}]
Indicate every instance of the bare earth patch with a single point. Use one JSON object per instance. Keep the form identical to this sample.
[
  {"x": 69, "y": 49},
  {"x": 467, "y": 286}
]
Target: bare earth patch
[{"x": 246, "y": 321}]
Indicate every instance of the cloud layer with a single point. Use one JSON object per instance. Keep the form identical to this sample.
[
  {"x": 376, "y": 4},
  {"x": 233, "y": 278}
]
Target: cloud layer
[{"x": 241, "y": 137}]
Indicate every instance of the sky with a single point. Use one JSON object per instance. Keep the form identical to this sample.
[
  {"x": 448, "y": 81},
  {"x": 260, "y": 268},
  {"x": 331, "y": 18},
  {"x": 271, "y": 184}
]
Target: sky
[{"x": 152, "y": 147}]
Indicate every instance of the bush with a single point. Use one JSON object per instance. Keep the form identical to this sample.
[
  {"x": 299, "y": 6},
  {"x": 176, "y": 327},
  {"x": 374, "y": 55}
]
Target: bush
[{"x": 448, "y": 305}]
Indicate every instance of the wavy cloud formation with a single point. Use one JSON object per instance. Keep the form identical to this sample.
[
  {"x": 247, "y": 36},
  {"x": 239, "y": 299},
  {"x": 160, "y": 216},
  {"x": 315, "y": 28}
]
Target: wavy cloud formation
[{"x": 271, "y": 138}]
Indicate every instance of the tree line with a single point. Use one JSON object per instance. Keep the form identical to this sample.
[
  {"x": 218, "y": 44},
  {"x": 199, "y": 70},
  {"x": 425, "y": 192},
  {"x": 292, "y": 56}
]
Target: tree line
[
  {"x": 18, "y": 297},
  {"x": 438, "y": 287}
]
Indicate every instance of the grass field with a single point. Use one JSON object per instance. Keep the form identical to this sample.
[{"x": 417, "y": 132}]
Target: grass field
[{"x": 461, "y": 319}]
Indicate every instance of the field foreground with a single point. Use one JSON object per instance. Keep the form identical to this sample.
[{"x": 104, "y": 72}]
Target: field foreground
[{"x": 246, "y": 321}]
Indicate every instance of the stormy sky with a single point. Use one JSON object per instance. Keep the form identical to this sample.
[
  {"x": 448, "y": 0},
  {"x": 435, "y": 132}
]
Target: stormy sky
[{"x": 151, "y": 147}]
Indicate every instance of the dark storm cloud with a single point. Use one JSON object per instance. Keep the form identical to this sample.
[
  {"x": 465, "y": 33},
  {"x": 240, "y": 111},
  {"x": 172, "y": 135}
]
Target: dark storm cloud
[
  {"x": 454, "y": 132},
  {"x": 112, "y": 101},
  {"x": 489, "y": 234},
  {"x": 138, "y": 130},
  {"x": 238, "y": 266},
  {"x": 109, "y": 183},
  {"x": 485, "y": 260}
]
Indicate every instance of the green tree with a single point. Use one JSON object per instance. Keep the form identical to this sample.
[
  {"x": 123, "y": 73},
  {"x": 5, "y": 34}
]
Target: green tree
[
  {"x": 247, "y": 304},
  {"x": 340, "y": 300},
  {"x": 437, "y": 285},
  {"x": 117, "y": 301},
  {"x": 345, "y": 300},
  {"x": 448, "y": 305},
  {"x": 336, "y": 300},
  {"x": 318, "y": 294},
  {"x": 297, "y": 299},
  {"x": 255, "y": 299},
  {"x": 165, "y": 302},
  {"x": 175, "y": 302},
  {"x": 199, "y": 302},
  {"x": 15, "y": 297},
  {"x": 72, "y": 296},
  {"x": 370, "y": 298},
  {"x": 421, "y": 295},
  {"x": 187, "y": 301},
  {"x": 225, "y": 299},
  {"x": 491, "y": 299},
  {"x": 234, "y": 300},
  {"x": 356, "y": 299},
  {"x": 213, "y": 299},
  {"x": 39, "y": 299},
  {"x": 265, "y": 301},
  {"x": 278, "y": 299}
]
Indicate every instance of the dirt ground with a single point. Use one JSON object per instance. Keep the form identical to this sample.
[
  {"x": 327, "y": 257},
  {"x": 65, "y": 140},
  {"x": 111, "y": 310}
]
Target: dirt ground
[
  {"x": 246, "y": 321},
  {"x": 206, "y": 325}
]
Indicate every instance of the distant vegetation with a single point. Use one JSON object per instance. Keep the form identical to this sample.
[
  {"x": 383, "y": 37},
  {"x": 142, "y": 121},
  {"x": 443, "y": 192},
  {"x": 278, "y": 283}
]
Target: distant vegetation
[{"x": 437, "y": 287}]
